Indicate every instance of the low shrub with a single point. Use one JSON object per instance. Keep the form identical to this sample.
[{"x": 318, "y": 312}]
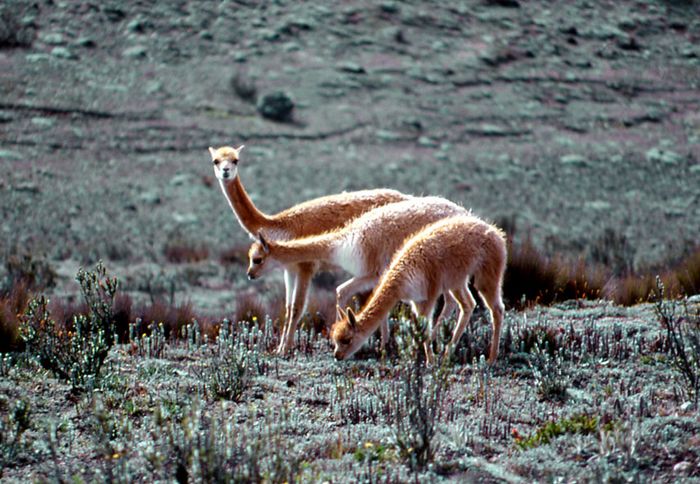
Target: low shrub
[
  {"x": 683, "y": 335},
  {"x": 76, "y": 352}
]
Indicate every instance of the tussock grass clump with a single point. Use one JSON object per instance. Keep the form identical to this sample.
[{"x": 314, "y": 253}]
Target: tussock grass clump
[
  {"x": 12, "y": 304},
  {"x": 181, "y": 251},
  {"x": 531, "y": 278}
]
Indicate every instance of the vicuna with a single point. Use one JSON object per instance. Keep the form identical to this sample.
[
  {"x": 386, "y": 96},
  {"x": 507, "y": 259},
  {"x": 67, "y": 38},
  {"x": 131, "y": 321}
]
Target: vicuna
[
  {"x": 308, "y": 218},
  {"x": 441, "y": 258}
]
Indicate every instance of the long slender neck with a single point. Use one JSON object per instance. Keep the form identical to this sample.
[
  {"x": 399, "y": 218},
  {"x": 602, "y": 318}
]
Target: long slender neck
[
  {"x": 317, "y": 248},
  {"x": 377, "y": 309},
  {"x": 248, "y": 215}
]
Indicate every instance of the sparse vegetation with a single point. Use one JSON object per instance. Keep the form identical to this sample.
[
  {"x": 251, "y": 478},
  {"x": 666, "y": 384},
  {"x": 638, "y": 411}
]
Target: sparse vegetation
[
  {"x": 683, "y": 336},
  {"x": 74, "y": 352}
]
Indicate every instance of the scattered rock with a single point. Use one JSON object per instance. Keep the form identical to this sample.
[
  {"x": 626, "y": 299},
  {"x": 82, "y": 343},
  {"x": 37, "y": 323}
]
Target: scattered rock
[
  {"x": 43, "y": 122},
  {"x": 180, "y": 179},
  {"x": 87, "y": 42},
  {"x": 599, "y": 205},
  {"x": 185, "y": 218},
  {"x": 149, "y": 197},
  {"x": 135, "y": 52},
  {"x": 277, "y": 106},
  {"x": 352, "y": 68},
  {"x": 667, "y": 157},
  {"x": 54, "y": 38},
  {"x": 629, "y": 42},
  {"x": 574, "y": 160},
  {"x": 502, "y": 3},
  {"x": 9, "y": 154},
  {"x": 63, "y": 53}
]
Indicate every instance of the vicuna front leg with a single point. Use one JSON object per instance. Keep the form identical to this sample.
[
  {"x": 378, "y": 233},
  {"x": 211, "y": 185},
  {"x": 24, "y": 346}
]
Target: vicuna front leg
[{"x": 296, "y": 304}]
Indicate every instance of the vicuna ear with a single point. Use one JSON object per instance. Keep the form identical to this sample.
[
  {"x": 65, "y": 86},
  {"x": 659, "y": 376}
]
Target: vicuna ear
[
  {"x": 263, "y": 243},
  {"x": 338, "y": 313},
  {"x": 351, "y": 318},
  {"x": 238, "y": 150},
  {"x": 212, "y": 152}
]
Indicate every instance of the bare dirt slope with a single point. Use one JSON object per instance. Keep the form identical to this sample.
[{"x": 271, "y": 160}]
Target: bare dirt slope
[{"x": 573, "y": 119}]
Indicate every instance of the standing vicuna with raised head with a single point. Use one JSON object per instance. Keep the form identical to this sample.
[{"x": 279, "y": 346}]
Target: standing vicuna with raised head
[
  {"x": 363, "y": 247},
  {"x": 440, "y": 258},
  {"x": 308, "y": 218}
]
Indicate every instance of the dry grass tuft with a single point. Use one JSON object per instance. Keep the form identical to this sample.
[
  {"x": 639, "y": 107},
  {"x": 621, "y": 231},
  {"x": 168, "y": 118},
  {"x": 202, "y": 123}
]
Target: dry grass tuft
[{"x": 180, "y": 252}]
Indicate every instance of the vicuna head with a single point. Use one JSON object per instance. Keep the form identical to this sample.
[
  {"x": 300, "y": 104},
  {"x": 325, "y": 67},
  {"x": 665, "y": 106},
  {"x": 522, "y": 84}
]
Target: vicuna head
[
  {"x": 345, "y": 335},
  {"x": 260, "y": 260},
  {"x": 225, "y": 160}
]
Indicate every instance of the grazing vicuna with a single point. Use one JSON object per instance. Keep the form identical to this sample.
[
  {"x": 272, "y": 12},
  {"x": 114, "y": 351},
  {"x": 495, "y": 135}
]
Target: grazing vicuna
[
  {"x": 308, "y": 218},
  {"x": 363, "y": 247},
  {"x": 441, "y": 258}
]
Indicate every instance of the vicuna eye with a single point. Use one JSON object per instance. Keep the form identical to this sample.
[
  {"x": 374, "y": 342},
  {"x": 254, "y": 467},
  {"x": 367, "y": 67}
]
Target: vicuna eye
[
  {"x": 257, "y": 260},
  {"x": 216, "y": 162},
  {"x": 345, "y": 341}
]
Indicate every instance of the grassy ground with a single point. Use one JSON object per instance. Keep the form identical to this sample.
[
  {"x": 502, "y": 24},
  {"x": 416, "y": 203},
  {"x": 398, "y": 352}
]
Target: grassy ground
[{"x": 582, "y": 391}]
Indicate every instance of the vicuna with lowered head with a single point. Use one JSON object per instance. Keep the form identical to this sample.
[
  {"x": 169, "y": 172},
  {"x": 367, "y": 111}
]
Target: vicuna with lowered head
[
  {"x": 308, "y": 218},
  {"x": 440, "y": 258},
  {"x": 363, "y": 248}
]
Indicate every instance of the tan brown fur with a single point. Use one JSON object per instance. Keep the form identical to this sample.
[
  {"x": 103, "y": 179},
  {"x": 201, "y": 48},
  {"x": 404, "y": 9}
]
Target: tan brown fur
[
  {"x": 307, "y": 218},
  {"x": 440, "y": 258},
  {"x": 363, "y": 248}
]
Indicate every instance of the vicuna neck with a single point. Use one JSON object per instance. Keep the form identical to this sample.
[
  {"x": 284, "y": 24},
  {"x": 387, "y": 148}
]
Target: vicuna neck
[
  {"x": 248, "y": 215},
  {"x": 377, "y": 309},
  {"x": 316, "y": 248}
]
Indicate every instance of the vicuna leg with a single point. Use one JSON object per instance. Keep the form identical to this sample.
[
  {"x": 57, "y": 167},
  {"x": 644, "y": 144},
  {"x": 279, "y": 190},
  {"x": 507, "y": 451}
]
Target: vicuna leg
[
  {"x": 290, "y": 277},
  {"x": 466, "y": 304},
  {"x": 425, "y": 309},
  {"x": 302, "y": 281},
  {"x": 447, "y": 310},
  {"x": 490, "y": 290}
]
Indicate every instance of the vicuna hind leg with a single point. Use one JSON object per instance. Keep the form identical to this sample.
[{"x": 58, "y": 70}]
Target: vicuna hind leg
[
  {"x": 466, "y": 304},
  {"x": 489, "y": 287}
]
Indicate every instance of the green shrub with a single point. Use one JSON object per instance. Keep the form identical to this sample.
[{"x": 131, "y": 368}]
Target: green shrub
[
  {"x": 12, "y": 427},
  {"x": 577, "y": 424},
  {"x": 415, "y": 402},
  {"x": 74, "y": 353},
  {"x": 683, "y": 335}
]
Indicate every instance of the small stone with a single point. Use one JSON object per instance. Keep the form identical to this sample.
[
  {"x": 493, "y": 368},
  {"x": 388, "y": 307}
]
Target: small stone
[
  {"x": 185, "y": 218},
  {"x": 53, "y": 38},
  {"x": 598, "y": 205},
  {"x": 695, "y": 169},
  {"x": 63, "y": 53},
  {"x": 43, "y": 122},
  {"x": 682, "y": 467},
  {"x": 574, "y": 160},
  {"x": 277, "y": 106},
  {"x": 180, "y": 179},
  {"x": 87, "y": 42},
  {"x": 37, "y": 57},
  {"x": 427, "y": 142},
  {"x": 9, "y": 154},
  {"x": 667, "y": 157},
  {"x": 150, "y": 197},
  {"x": 135, "y": 52},
  {"x": 352, "y": 68}
]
